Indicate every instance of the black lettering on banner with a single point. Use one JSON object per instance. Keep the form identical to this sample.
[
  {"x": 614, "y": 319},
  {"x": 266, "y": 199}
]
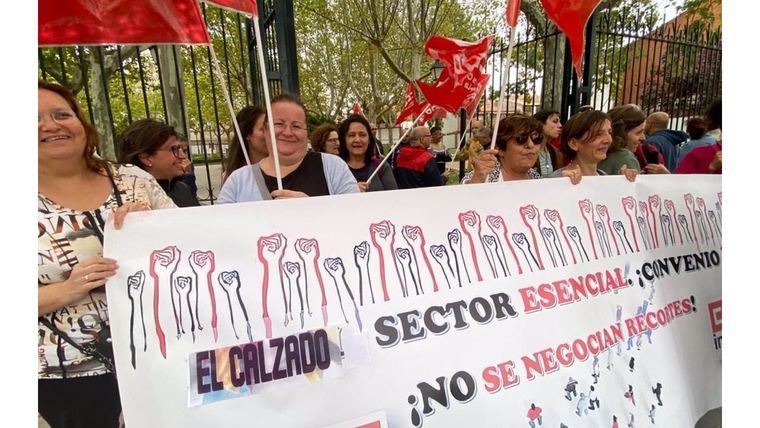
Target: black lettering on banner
[
  {"x": 202, "y": 372},
  {"x": 277, "y": 372},
  {"x": 250, "y": 355},
  {"x": 308, "y": 357},
  {"x": 385, "y": 326},
  {"x": 322, "y": 349},
  {"x": 292, "y": 363},
  {"x": 236, "y": 376}
]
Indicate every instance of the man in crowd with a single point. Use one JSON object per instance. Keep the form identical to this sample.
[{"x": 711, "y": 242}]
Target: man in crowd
[
  {"x": 439, "y": 150},
  {"x": 665, "y": 140},
  {"x": 414, "y": 165}
]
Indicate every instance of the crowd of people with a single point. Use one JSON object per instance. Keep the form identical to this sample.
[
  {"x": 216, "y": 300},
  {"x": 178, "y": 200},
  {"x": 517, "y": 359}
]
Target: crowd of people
[{"x": 77, "y": 190}]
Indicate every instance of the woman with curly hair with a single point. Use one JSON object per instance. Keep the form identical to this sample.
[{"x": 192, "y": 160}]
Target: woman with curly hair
[{"x": 324, "y": 139}]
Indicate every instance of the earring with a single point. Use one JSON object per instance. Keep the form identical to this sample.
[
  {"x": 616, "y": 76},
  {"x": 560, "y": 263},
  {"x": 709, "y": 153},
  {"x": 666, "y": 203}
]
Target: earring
[{"x": 149, "y": 165}]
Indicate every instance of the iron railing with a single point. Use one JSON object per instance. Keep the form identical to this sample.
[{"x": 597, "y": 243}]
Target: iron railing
[{"x": 177, "y": 84}]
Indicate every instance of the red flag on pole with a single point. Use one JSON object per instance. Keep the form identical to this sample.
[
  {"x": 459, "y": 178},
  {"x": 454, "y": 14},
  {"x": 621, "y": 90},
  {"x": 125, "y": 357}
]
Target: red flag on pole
[
  {"x": 93, "y": 22},
  {"x": 571, "y": 16},
  {"x": 513, "y": 11},
  {"x": 462, "y": 77},
  {"x": 357, "y": 109},
  {"x": 248, "y": 7},
  {"x": 411, "y": 105}
]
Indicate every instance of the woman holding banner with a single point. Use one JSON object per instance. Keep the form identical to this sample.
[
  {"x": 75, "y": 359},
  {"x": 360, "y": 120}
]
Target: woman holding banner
[
  {"x": 518, "y": 141},
  {"x": 77, "y": 191},
  {"x": 303, "y": 173},
  {"x": 357, "y": 148},
  {"x": 586, "y": 138},
  {"x": 251, "y": 122}
]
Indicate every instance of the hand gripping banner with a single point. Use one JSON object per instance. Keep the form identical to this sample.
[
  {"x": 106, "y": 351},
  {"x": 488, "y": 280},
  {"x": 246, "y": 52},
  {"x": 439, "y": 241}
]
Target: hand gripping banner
[{"x": 531, "y": 303}]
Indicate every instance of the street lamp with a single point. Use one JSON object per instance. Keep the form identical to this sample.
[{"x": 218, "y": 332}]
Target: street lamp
[{"x": 436, "y": 68}]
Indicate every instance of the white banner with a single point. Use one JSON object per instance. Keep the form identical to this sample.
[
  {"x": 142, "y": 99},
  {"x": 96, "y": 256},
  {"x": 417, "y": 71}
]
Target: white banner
[{"x": 530, "y": 303}]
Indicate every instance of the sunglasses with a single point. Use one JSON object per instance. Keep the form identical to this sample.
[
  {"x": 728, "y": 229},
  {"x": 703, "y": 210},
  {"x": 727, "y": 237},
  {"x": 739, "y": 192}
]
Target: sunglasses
[{"x": 522, "y": 139}]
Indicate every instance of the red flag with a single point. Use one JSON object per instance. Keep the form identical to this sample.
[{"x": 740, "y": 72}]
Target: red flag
[
  {"x": 513, "y": 11},
  {"x": 462, "y": 77},
  {"x": 96, "y": 22},
  {"x": 571, "y": 16},
  {"x": 450, "y": 95},
  {"x": 411, "y": 106},
  {"x": 248, "y": 7},
  {"x": 357, "y": 109}
]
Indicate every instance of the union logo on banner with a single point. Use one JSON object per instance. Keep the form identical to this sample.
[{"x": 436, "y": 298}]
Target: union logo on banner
[{"x": 715, "y": 309}]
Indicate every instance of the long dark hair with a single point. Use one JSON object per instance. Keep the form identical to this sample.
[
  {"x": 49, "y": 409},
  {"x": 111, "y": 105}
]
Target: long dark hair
[
  {"x": 91, "y": 133},
  {"x": 143, "y": 136},
  {"x": 246, "y": 119},
  {"x": 343, "y": 130}
]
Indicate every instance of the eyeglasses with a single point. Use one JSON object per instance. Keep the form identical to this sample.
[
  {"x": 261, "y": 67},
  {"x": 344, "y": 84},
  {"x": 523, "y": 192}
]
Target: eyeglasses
[
  {"x": 58, "y": 116},
  {"x": 522, "y": 139},
  {"x": 332, "y": 140},
  {"x": 175, "y": 149},
  {"x": 280, "y": 126}
]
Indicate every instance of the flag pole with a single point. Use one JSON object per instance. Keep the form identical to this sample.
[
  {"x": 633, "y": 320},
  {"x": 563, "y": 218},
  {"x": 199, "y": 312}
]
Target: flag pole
[
  {"x": 267, "y": 102},
  {"x": 504, "y": 75},
  {"x": 385, "y": 159},
  {"x": 228, "y": 101}
]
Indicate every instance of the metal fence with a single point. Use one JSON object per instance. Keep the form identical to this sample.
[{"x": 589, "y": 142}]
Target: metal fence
[
  {"x": 176, "y": 84},
  {"x": 631, "y": 58}
]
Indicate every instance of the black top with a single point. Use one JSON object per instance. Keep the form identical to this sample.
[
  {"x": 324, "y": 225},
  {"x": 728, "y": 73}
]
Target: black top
[
  {"x": 180, "y": 192},
  {"x": 308, "y": 178}
]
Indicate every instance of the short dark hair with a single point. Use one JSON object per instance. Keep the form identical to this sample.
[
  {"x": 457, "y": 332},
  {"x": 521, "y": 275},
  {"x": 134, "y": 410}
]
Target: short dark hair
[
  {"x": 319, "y": 136},
  {"x": 624, "y": 118},
  {"x": 544, "y": 115},
  {"x": 580, "y": 125},
  {"x": 516, "y": 124},
  {"x": 246, "y": 119},
  {"x": 714, "y": 115},
  {"x": 435, "y": 129},
  {"x": 343, "y": 130},
  {"x": 696, "y": 127},
  {"x": 143, "y": 136}
]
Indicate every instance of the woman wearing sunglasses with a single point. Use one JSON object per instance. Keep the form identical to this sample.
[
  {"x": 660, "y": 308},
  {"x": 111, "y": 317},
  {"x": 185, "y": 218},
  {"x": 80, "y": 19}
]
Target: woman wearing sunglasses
[
  {"x": 518, "y": 141},
  {"x": 155, "y": 147},
  {"x": 586, "y": 138}
]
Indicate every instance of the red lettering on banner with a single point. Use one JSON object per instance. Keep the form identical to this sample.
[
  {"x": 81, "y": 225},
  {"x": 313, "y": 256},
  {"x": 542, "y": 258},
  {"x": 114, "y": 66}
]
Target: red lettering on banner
[
  {"x": 570, "y": 290},
  {"x": 501, "y": 376},
  {"x": 530, "y": 303}
]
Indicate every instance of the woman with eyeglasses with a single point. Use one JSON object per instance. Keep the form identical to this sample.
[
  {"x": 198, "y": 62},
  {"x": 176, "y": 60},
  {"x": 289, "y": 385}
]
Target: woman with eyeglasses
[
  {"x": 586, "y": 138},
  {"x": 77, "y": 191},
  {"x": 518, "y": 140},
  {"x": 324, "y": 139},
  {"x": 155, "y": 147},
  {"x": 357, "y": 147},
  {"x": 304, "y": 173}
]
